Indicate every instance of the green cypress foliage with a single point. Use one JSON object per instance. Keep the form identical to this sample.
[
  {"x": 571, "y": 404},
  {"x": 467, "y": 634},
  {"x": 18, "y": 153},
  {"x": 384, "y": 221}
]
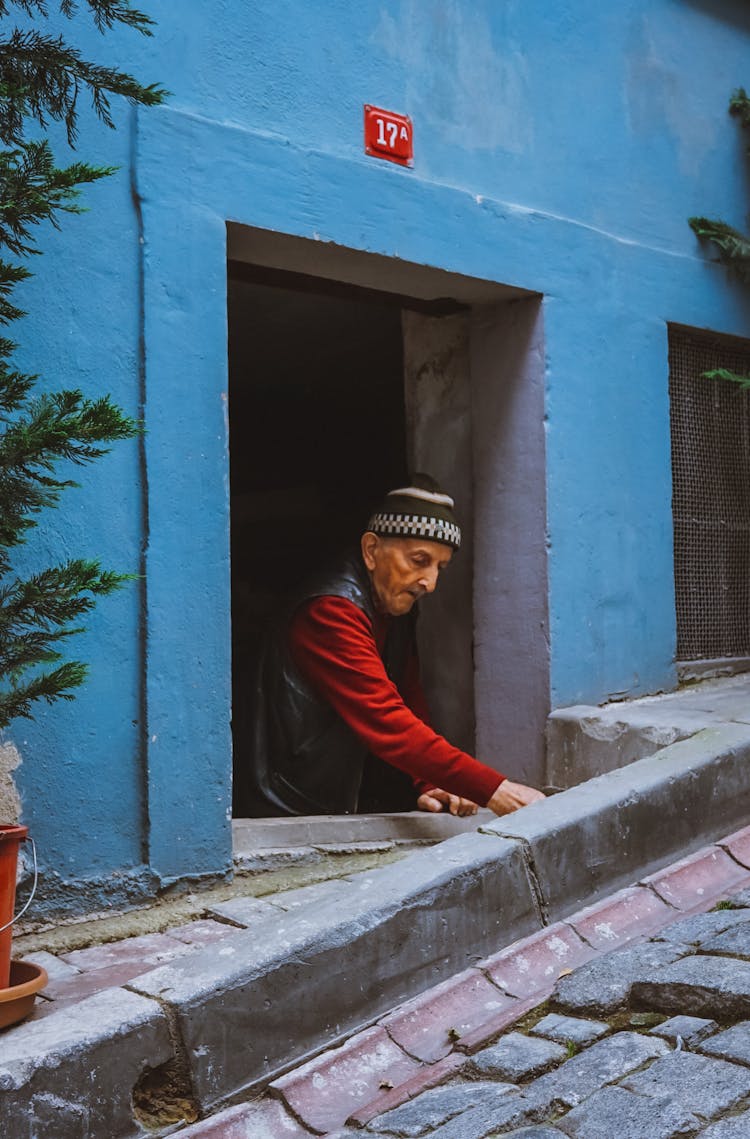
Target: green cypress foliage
[{"x": 41, "y": 80}]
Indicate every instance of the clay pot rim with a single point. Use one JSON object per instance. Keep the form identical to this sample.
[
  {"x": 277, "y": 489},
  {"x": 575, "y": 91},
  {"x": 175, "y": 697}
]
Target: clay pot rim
[
  {"x": 13, "y": 831},
  {"x": 38, "y": 980}
]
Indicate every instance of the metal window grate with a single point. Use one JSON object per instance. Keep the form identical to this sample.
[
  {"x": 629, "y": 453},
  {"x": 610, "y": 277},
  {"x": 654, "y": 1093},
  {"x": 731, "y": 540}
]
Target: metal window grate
[{"x": 710, "y": 425}]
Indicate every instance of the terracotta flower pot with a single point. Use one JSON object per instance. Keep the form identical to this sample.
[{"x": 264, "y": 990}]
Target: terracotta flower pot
[
  {"x": 17, "y": 1000},
  {"x": 11, "y": 838}
]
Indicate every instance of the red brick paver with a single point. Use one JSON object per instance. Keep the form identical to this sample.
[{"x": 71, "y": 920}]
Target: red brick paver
[
  {"x": 206, "y": 931},
  {"x": 428, "y": 1077},
  {"x": 428, "y": 1026},
  {"x": 148, "y": 950},
  {"x": 534, "y": 964},
  {"x": 738, "y": 845},
  {"x": 325, "y": 1091},
  {"x": 626, "y": 916},
  {"x": 488, "y": 1031},
  {"x": 699, "y": 880},
  {"x": 267, "y": 1119}
]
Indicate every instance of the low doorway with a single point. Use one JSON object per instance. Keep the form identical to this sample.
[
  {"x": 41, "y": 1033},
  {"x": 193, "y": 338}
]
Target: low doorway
[{"x": 347, "y": 371}]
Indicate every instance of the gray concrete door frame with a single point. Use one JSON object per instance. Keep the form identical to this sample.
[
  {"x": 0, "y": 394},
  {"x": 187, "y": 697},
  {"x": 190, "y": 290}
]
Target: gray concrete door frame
[{"x": 474, "y": 387}]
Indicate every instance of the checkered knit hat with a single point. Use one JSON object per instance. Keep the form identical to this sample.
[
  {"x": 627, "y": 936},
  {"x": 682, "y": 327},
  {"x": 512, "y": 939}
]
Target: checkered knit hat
[{"x": 419, "y": 510}]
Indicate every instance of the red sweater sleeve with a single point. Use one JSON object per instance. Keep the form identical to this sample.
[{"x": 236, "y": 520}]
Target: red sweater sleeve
[{"x": 332, "y": 643}]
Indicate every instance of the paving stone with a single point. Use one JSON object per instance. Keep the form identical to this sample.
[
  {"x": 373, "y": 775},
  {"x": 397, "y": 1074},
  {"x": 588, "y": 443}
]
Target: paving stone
[
  {"x": 430, "y": 1076},
  {"x": 495, "y": 1114},
  {"x": 738, "y": 1127},
  {"x": 148, "y": 950},
  {"x": 701, "y": 927},
  {"x": 702, "y": 1085},
  {"x": 738, "y": 845},
  {"x": 56, "y": 968},
  {"x": 75, "y": 987},
  {"x": 602, "y": 985},
  {"x": 73, "y": 1072},
  {"x": 603, "y": 1063},
  {"x": 429, "y": 1025},
  {"x": 717, "y": 987},
  {"x": 733, "y": 942},
  {"x": 695, "y": 881},
  {"x": 688, "y": 1029},
  {"x": 318, "y": 892},
  {"x": 516, "y": 1057},
  {"x": 202, "y": 932},
  {"x": 740, "y": 898},
  {"x": 625, "y": 916},
  {"x": 324, "y": 1092},
  {"x": 433, "y": 1108},
  {"x": 732, "y": 1044},
  {"x": 245, "y": 911},
  {"x": 570, "y": 1029},
  {"x": 534, "y": 964},
  {"x": 636, "y": 1117},
  {"x": 267, "y": 1119},
  {"x": 540, "y": 1132}
]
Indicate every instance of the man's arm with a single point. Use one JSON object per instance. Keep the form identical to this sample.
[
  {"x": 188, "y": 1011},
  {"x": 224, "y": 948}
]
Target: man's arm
[{"x": 332, "y": 643}]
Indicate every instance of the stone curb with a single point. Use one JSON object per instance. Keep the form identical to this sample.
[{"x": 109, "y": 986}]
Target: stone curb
[
  {"x": 73, "y": 1072},
  {"x": 274, "y": 996},
  {"x": 299, "y": 983},
  {"x": 311, "y": 978},
  {"x": 619, "y": 827},
  {"x": 320, "y": 1092}
]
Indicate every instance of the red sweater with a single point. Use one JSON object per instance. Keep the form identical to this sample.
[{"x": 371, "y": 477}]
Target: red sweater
[{"x": 337, "y": 649}]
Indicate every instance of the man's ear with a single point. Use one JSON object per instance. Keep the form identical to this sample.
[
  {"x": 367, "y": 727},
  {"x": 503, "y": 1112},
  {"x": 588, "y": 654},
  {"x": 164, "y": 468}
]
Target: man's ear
[{"x": 369, "y": 544}]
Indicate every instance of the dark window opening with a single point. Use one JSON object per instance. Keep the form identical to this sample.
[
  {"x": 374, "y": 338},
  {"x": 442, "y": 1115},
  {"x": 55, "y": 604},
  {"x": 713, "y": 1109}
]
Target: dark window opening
[
  {"x": 710, "y": 426},
  {"x": 317, "y": 435}
]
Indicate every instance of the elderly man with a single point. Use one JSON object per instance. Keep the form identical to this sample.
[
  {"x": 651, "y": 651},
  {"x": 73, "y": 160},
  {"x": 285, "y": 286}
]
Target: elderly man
[{"x": 338, "y": 681}]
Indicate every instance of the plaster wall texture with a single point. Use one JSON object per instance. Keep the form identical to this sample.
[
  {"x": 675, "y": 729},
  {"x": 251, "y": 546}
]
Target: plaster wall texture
[{"x": 558, "y": 150}]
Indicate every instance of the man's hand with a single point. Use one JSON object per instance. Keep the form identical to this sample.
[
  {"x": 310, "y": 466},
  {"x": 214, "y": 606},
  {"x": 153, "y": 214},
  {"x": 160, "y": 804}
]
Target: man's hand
[
  {"x": 511, "y": 796},
  {"x": 436, "y": 799}
]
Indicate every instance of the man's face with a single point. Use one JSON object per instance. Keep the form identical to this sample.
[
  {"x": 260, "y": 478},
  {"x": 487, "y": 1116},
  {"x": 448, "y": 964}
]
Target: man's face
[{"x": 402, "y": 569}]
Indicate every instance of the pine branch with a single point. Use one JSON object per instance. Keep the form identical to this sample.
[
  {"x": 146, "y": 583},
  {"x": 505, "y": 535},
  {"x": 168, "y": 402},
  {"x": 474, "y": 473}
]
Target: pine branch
[
  {"x": 106, "y": 13},
  {"x": 42, "y": 76},
  {"x": 34, "y": 190},
  {"x": 54, "y": 597},
  {"x": 732, "y": 377},
  {"x": 63, "y": 425},
  {"x": 48, "y": 686}
]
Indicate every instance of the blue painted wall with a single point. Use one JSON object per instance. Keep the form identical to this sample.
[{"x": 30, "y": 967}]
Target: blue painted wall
[{"x": 558, "y": 148}]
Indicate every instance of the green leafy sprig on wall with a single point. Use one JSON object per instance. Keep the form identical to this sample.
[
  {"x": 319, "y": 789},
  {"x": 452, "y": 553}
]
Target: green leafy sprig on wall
[
  {"x": 733, "y": 246},
  {"x": 42, "y": 78}
]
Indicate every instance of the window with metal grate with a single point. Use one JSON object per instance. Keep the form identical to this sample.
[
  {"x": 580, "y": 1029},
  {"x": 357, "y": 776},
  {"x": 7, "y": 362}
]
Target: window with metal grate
[{"x": 710, "y": 430}]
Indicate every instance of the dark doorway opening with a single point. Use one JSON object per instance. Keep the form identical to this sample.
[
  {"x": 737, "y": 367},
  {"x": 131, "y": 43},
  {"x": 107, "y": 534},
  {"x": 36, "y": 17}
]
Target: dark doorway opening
[{"x": 317, "y": 435}]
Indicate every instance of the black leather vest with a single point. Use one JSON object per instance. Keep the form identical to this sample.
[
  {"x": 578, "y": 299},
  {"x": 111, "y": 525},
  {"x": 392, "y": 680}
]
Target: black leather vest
[{"x": 304, "y": 759}]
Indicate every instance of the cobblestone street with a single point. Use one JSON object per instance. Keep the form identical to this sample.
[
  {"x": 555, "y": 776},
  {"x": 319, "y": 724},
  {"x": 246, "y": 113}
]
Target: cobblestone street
[{"x": 632, "y": 1018}]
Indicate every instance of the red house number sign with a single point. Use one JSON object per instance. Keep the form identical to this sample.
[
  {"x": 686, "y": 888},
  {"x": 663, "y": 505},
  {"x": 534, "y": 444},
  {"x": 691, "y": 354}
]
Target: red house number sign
[{"x": 388, "y": 135}]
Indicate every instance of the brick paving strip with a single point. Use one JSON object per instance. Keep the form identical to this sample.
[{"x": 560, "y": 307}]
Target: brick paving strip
[{"x": 635, "y": 1010}]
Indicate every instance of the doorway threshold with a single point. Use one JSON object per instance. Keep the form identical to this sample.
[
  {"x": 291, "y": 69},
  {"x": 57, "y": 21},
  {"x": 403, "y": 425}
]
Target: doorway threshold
[{"x": 265, "y": 844}]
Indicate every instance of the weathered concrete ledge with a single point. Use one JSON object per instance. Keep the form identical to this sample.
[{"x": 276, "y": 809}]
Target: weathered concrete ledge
[
  {"x": 268, "y": 997},
  {"x": 584, "y": 740},
  {"x": 298, "y": 983},
  {"x": 72, "y": 1073},
  {"x": 616, "y": 828}
]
